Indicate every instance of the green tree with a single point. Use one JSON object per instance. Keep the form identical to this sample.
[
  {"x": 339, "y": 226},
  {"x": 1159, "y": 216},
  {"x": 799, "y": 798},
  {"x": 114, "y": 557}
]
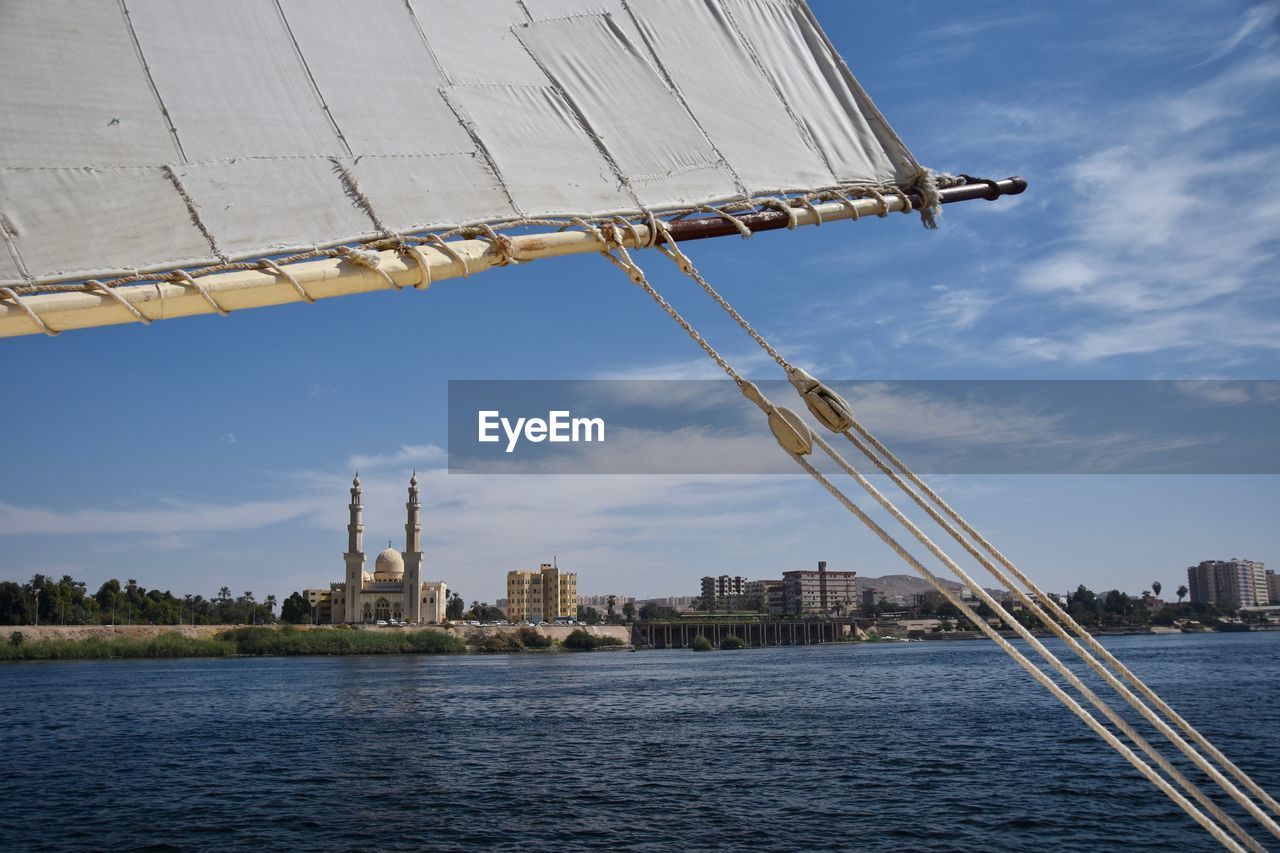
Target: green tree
[
  {"x": 701, "y": 644},
  {"x": 454, "y": 609},
  {"x": 270, "y": 602},
  {"x": 592, "y": 616},
  {"x": 1182, "y": 592},
  {"x": 295, "y": 610},
  {"x": 610, "y": 603},
  {"x": 629, "y": 611},
  {"x": 1156, "y": 587}
]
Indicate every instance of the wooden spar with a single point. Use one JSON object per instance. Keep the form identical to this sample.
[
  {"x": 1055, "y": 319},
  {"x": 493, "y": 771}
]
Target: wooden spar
[{"x": 327, "y": 277}]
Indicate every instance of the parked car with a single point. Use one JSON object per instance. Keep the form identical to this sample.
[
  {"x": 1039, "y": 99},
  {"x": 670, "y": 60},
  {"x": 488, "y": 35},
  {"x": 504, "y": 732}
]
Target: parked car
[{"x": 381, "y": 623}]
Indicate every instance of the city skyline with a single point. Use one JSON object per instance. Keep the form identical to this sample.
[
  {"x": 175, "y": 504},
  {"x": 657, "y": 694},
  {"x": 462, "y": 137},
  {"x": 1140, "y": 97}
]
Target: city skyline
[{"x": 231, "y": 472}]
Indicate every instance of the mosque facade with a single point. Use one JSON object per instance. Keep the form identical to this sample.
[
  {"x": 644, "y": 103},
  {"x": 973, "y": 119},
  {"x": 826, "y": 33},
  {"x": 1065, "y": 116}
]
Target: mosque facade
[{"x": 395, "y": 591}]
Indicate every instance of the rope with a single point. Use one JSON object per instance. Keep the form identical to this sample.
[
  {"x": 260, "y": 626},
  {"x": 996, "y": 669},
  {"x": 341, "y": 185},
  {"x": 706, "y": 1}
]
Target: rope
[
  {"x": 451, "y": 253},
  {"x": 276, "y": 269},
  {"x": 44, "y": 327},
  {"x": 113, "y": 294},
  {"x": 1057, "y": 664},
  {"x": 368, "y": 260},
  {"x": 839, "y": 418},
  {"x": 1034, "y": 671},
  {"x": 181, "y": 277},
  {"x": 1042, "y": 600}
]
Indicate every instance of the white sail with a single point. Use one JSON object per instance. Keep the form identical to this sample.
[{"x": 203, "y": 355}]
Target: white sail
[{"x": 153, "y": 135}]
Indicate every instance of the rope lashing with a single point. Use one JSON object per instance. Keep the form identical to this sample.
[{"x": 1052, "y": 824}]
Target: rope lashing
[
  {"x": 631, "y": 229},
  {"x": 880, "y": 199},
  {"x": 110, "y": 292},
  {"x": 808, "y": 205},
  {"x": 450, "y": 252},
  {"x": 793, "y": 219},
  {"x": 184, "y": 278},
  {"x": 742, "y": 227},
  {"x": 414, "y": 251},
  {"x": 503, "y": 247},
  {"x": 275, "y": 269},
  {"x": 833, "y": 412},
  {"x": 368, "y": 260},
  {"x": 848, "y": 203},
  {"x": 44, "y": 327}
]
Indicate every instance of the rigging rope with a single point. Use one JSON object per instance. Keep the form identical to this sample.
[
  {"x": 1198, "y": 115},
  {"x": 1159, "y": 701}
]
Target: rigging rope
[{"x": 833, "y": 412}]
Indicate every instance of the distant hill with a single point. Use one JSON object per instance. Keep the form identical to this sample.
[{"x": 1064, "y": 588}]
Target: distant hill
[{"x": 892, "y": 585}]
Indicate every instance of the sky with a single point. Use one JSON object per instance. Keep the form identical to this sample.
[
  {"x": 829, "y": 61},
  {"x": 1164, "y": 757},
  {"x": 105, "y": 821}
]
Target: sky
[{"x": 205, "y": 452}]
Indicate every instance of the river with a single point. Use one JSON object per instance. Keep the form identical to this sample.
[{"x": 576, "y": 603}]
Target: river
[{"x": 849, "y": 746}]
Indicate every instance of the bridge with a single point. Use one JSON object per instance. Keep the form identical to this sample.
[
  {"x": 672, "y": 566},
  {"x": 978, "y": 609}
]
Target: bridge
[{"x": 680, "y": 633}]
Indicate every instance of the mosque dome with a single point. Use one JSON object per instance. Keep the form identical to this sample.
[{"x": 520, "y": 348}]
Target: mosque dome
[{"x": 389, "y": 563}]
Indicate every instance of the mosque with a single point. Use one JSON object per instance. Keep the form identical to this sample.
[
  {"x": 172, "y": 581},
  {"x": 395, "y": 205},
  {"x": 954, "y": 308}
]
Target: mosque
[{"x": 395, "y": 590}]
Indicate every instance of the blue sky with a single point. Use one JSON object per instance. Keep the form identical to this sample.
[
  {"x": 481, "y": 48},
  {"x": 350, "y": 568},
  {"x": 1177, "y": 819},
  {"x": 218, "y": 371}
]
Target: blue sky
[{"x": 197, "y": 453}]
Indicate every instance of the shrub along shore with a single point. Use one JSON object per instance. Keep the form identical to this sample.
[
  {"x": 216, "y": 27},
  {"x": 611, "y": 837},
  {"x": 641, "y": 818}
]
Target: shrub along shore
[{"x": 285, "y": 641}]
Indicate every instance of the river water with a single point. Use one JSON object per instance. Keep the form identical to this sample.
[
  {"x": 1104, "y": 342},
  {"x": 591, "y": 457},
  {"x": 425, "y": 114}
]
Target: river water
[{"x": 868, "y": 746}]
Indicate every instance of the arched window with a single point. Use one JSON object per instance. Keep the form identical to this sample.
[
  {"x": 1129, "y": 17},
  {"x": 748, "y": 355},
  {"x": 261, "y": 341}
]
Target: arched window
[
  {"x": 368, "y": 612},
  {"x": 397, "y": 612},
  {"x": 382, "y": 609}
]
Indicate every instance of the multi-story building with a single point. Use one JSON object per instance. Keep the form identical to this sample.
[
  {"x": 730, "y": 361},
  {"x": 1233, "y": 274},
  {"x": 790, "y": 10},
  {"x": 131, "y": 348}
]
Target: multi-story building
[
  {"x": 601, "y": 602},
  {"x": 543, "y": 595},
  {"x": 723, "y": 592},
  {"x": 756, "y": 594},
  {"x": 1273, "y": 586},
  {"x": 1234, "y": 582},
  {"x": 821, "y": 591}
]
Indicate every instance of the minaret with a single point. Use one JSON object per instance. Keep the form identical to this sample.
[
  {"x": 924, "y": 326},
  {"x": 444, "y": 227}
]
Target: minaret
[
  {"x": 355, "y": 554},
  {"x": 413, "y": 555}
]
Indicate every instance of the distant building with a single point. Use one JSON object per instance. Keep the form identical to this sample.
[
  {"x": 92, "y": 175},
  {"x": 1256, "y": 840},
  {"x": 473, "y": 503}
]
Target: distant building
[
  {"x": 543, "y": 595},
  {"x": 757, "y": 595},
  {"x": 395, "y": 590},
  {"x": 821, "y": 591},
  {"x": 722, "y": 593},
  {"x": 1273, "y": 586},
  {"x": 675, "y": 602},
  {"x": 601, "y": 602},
  {"x": 1234, "y": 582}
]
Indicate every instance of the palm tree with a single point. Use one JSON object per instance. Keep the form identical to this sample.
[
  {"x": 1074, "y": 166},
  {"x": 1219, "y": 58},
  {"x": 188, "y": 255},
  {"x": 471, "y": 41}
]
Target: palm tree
[
  {"x": 270, "y": 601},
  {"x": 1155, "y": 587},
  {"x": 1182, "y": 591},
  {"x": 224, "y": 593},
  {"x": 610, "y": 604},
  {"x": 253, "y": 611}
]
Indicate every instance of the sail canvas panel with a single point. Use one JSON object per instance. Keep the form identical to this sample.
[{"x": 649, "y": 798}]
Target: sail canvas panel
[
  {"x": 811, "y": 78},
  {"x": 90, "y": 204},
  {"x": 432, "y": 191},
  {"x": 384, "y": 101},
  {"x": 67, "y": 100},
  {"x": 242, "y": 200},
  {"x": 764, "y": 146},
  {"x": 652, "y": 139},
  {"x": 545, "y": 158},
  {"x": 473, "y": 42},
  {"x": 232, "y": 80},
  {"x": 229, "y": 114}
]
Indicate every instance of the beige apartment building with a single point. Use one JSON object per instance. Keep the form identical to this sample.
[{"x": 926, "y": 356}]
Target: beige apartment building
[
  {"x": 1234, "y": 582},
  {"x": 544, "y": 595}
]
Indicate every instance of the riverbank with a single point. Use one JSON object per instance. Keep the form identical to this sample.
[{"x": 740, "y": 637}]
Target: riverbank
[{"x": 89, "y": 642}]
